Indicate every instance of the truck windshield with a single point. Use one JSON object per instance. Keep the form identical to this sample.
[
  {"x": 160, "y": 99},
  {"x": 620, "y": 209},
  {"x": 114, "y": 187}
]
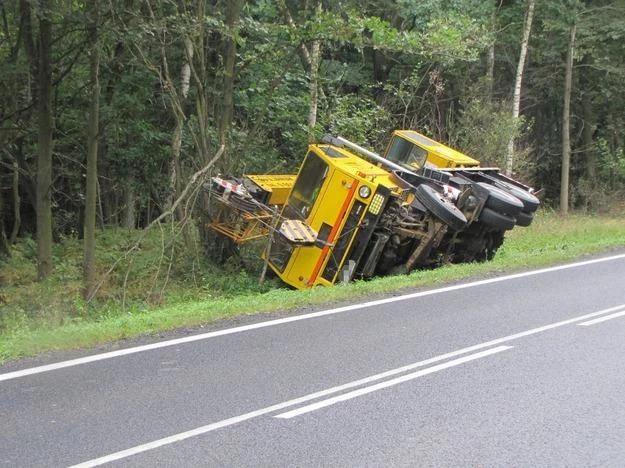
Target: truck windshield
[
  {"x": 406, "y": 153},
  {"x": 307, "y": 187}
]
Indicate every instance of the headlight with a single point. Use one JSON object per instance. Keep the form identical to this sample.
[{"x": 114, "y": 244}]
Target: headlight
[
  {"x": 364, "y": 191},
  {"x": 376, "y": 204}
]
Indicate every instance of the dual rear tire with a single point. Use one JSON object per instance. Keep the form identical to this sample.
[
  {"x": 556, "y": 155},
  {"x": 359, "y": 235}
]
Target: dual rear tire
[{"x": 507, "y": 206}]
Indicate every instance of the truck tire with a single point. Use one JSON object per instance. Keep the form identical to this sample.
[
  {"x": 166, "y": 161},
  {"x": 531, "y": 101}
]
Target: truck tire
[
  {"x": 440, "y": 207},
  {"x": 496, "y": 220},
  {"x": 530, "y": 202},
  {"x": 501, "y": 201},
  {"x": 524, "y": 219},
  {"x": 244, "y": 204}
]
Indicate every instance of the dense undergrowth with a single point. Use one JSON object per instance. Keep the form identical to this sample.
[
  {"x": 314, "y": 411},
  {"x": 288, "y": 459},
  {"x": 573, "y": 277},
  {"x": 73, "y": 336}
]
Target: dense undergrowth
[
  {"x": 161, "y": 283},
  {"x": 133, "y": 278}
]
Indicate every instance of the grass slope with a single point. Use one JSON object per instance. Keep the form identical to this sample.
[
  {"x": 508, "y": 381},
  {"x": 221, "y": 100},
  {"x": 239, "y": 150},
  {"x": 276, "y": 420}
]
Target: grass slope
[{"x": 163, "y": 287}]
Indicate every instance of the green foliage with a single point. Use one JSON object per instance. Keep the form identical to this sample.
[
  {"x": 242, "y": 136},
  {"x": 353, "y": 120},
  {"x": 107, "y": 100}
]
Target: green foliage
[
  {"x": 283, "y": 109},
  {"x": 603, "y": 194},
  {"x": 611, "y": 165},
  {"x": 138, "y": 141},
  {"x": 455, "y": 37},
  {"x": 385, "y": 64},
  {"x": 484, "y": 126},
  {"x": 137, "y": 272},
  {"x": 357, "y": 118}
]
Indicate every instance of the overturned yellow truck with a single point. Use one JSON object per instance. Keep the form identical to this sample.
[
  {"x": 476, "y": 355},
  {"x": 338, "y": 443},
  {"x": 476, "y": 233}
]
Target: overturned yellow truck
[{"x": 351, "y": 213}]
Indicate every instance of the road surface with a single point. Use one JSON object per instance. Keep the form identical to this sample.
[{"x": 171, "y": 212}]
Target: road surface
[{"x": 518, "y": 370}]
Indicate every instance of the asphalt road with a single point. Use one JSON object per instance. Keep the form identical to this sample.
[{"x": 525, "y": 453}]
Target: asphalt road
[{"x": 518, "y": 370}]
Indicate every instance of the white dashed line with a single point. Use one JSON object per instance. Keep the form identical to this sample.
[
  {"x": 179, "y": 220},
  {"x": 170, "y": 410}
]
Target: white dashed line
[
  {"x": 390, "y": 383},
  {"x": 602, "y": 319}
]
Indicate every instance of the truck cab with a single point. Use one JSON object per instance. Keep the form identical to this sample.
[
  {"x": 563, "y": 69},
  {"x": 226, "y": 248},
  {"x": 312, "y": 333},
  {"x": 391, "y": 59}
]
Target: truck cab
[
  {"x": 414, "y": 150},
  {"x": 340, "y": 196}
]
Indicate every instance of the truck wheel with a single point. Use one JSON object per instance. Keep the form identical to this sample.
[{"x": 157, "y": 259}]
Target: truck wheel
[
  {"x": 244, "y": 204},
  {"x": 440, "y": 207},
  {"x": 496, "y": 220},
  {"x": 501, "y": 201},
  {"x": 530, "y": 202},
  {"x": 524, "y": 219}
]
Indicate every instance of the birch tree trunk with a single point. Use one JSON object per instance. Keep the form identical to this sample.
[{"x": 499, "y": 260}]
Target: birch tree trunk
[
  {"x": 185, "y": 79},
  {"x": 516, "y": 100},
  {"x": 313, "y": 87},
  {"x": 310, "y": 57},
  {"x": 566, "y": 115},
  {"x": 313, "y": 80}
]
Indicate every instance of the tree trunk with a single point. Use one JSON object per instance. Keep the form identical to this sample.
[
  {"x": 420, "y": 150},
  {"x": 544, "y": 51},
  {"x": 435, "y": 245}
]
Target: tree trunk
[
  {"x": 566, "y": 127},
  {"x": 313, "y": 80},
  {"x": 490, "y": 71},
  {"x": 516, "y": 100},
  {"x": 17, "y": 215},
  {"x": 313, "y": 87},
  {"x": 108, "y": 186},
  {"x": 310, "y": 61},
  {"x": 233, "y": 11},
  {"x": 44, "y": 160},
  {"x": 130, "y": 212},
  {"x": 590, "y": 124},
  {"x": 92, "y": 154},
  {"x": 29, "y": 46},
  {"x": 176, "y": 144},
  {"x": 4, "y": 242}
]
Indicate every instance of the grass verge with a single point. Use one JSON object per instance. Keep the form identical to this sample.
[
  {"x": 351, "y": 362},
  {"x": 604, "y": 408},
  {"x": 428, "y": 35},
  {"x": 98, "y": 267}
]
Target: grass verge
[{"x": 197, "y": 294}]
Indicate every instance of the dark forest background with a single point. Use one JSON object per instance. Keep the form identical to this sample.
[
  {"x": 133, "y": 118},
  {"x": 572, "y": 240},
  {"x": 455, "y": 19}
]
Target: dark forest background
[{"x": 108, "y": 108}]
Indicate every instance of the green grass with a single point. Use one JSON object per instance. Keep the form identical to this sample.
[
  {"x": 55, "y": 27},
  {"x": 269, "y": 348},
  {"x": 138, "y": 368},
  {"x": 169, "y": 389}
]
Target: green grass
[{"x": 147, "y": 294}]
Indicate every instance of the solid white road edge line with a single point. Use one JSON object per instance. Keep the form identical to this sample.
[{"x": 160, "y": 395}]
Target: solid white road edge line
[
  {"x": 602, "y": 319},
  {"x": 270, "y": 323},
  {"x": 390, "y": 383},
  {"x": 280, "y": 406},
  {"x": 253, "y": 414}
]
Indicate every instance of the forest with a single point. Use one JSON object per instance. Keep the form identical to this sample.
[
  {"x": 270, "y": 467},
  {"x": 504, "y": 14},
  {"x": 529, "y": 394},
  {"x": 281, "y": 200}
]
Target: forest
[{"x": 113, "y": 113}]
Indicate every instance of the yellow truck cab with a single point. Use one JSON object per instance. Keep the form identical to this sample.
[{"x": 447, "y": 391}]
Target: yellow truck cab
[
  {"x": 414, "y": 150},
  {"x": 339, "y": 195}
]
